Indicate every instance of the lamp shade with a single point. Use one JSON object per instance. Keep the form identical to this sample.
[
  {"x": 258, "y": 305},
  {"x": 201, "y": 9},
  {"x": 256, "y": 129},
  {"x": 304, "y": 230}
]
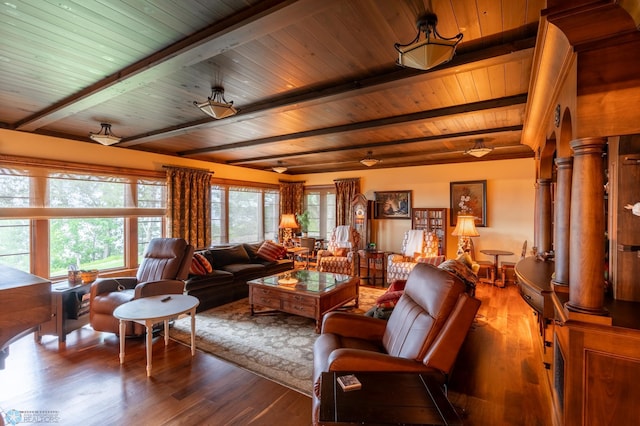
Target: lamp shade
[
  {"x": 288, "y": 221},
  {"x": 466, "y": 227}
]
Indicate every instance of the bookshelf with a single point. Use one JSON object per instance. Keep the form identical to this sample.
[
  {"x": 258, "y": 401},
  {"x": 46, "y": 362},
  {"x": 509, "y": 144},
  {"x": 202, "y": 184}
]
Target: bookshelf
[{"x": 432, "y": 220}]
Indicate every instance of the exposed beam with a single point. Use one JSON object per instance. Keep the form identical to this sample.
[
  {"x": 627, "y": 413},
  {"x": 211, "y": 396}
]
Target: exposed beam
[
  {"x": 393, "y": 76},
  {"x": 377, "y": 123},
  {"x": 379, "y": 144},
  {"x": 254, "y": 22}
]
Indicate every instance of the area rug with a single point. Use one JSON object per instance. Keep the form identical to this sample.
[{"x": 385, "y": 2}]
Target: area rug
[{"x": 276, "y": 346}]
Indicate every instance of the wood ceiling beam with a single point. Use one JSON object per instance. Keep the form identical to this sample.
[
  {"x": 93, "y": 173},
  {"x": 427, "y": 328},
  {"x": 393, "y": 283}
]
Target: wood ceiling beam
[
  {"x": 370, "y": 124},
  {"x": 394, "y": 76},
  {"x": 403, "y": 142},
  {"x": 254, "y": 22}
]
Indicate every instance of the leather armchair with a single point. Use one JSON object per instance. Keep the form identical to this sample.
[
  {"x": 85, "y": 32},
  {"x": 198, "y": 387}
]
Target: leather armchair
[
  {"x": 163, "y": 270},
  {"x": 423, "y": 334}
]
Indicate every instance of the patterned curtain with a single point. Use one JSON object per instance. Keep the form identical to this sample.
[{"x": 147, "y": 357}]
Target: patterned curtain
[
  {"x": 189, "y": 205},
  {"x": 346, "y": 189},
  {"x": 291, "y": 199}
]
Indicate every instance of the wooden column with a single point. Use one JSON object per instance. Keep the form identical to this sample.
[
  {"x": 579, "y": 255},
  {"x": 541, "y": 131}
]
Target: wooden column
[
  {"x": 587, "y": 228},
  {"x": 562, "y": 211},
  {"x": 544, "y": 230}
]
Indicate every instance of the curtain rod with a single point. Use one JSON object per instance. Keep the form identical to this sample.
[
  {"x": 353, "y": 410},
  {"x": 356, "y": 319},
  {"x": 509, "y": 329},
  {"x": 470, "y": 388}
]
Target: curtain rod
[
  {"x": 187, "y": 168},
  {"x": 291, "y": 181},
  {"x": 346, "y": 179}
]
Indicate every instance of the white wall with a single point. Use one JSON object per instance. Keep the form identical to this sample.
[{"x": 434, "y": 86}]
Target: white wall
[{"x": 510, "y": 185}]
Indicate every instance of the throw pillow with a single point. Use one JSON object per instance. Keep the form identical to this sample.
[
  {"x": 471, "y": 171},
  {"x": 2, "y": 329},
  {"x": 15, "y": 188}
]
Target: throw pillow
[
  {"x": 431, "y": 260},
  {"x": 200, "y": 265},
  {"x": 341, "y": 252},
  {"x": 271, "y": 251}
]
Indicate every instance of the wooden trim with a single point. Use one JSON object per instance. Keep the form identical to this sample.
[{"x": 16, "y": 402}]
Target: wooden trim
[{"x": 77, "y": 167}]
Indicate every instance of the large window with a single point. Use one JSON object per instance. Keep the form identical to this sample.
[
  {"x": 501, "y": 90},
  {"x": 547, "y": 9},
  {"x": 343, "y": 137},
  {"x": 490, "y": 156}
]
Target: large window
[
  {"x": 321, "y": 205},
  {"x": 55, "y": 215},
  {"x": 241, "y": 214}
]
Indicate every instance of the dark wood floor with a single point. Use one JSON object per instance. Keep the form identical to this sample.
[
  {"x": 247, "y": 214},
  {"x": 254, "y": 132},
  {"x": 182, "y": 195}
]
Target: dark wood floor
[{"x": 498, "y": 379}]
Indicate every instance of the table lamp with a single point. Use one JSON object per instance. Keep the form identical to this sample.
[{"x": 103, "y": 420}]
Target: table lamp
[
  {"x": 465, "y": 228},
  {"x": 287, "y": 222}
]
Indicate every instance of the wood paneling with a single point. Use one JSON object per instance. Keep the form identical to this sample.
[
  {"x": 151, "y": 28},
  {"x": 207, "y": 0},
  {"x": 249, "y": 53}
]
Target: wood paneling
[{"x": 291, "y": 67}]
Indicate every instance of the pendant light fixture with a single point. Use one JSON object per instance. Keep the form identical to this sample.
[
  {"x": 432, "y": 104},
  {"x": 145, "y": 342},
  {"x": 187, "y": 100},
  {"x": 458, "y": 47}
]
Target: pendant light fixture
[
  {"x": 479, "y": 149},
  {"x": 430, "y": 52},
  {"x": 216, "y": 105},
  {"x": 104, "y": 136},
  {"x": 369, "y": 161},
  {"x": 280, "y": 168}
]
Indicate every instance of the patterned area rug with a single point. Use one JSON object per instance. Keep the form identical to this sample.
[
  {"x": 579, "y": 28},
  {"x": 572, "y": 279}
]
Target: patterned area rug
[{"x": 277, "y": 346}]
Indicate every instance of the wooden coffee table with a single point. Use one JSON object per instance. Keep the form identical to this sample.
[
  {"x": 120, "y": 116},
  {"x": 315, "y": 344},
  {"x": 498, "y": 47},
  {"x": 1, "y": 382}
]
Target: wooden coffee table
[{"x": 310, "y": 294}]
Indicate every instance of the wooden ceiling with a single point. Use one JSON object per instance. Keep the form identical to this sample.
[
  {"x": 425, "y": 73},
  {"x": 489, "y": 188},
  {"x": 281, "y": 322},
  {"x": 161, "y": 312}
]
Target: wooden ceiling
[{"x": 315, "y": 81}]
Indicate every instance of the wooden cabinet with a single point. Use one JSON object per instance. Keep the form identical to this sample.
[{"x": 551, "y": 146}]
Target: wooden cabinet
[{"x": 432, "y": 220}]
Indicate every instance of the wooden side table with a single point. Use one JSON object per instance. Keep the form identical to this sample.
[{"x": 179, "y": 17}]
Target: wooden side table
[
  {"x": 373, "y": 257},
  {"x": 385, "y": 399},
  {"x": 496, "y": 254},
  {"x": 67, "y": 311}
]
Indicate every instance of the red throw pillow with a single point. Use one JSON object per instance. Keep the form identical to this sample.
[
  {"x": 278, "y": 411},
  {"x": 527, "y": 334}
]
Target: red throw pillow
[
  {"x": 271, "y": 251},
  {"x": 200, "y": 265}
]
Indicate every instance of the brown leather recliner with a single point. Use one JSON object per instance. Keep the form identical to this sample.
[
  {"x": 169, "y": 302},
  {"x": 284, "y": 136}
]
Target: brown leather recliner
[
  {"x": 423, "y": 334},
  {"x": 163, "y": 270}
]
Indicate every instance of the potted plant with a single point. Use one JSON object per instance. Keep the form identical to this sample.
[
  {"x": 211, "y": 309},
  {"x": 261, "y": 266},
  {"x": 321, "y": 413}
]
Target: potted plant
[{"x": 303, "y": 221}]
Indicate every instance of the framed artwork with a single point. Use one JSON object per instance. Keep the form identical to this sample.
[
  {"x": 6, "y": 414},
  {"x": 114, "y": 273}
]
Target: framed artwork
[
  {"x": 393, "y": 205},
  {"x": 469, "y": 198}
]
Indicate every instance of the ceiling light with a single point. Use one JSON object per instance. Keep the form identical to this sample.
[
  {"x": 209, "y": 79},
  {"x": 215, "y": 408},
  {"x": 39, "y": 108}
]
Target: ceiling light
[
  {"x": 479, "y": 149},
  {"x": 280, "y": 168},
  {"x": 216, "y": 105},
  {"x": 434, "y": 50},
  {"x": 369, "y": 160},
  {"x": 104, "y": 136}
]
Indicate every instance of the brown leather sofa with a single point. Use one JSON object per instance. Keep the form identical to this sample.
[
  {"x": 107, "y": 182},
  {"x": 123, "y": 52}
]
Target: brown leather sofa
[
  {"x": 423, "y": 334},
  {"x": 163, "y": 270}
]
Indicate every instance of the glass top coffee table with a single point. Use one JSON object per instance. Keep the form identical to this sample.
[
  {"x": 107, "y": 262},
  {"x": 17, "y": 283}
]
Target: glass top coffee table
[{"x": 310, "y": 294}]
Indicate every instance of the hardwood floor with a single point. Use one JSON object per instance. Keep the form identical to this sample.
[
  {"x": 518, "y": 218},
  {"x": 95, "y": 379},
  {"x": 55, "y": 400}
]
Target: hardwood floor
[{"x": 498, "y": 379}]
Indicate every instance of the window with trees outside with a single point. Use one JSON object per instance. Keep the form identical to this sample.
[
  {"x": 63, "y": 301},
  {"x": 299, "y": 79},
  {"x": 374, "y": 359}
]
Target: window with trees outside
[{"x": 55, "y": 215}]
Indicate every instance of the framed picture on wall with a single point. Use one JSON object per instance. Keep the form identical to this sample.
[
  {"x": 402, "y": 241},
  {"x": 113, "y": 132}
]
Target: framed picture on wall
[
  {"x": 393, "y": 205},
  {"x": 469, "y": 198}
]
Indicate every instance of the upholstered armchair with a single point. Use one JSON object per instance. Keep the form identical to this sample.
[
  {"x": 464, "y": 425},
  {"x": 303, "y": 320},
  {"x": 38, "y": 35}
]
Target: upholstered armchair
[
  {"x": 163, "y": 270},
  {"x": 341, "y": 256},
  {"x": 417, "y": 246},
  {"x": 423, "y": 334}
]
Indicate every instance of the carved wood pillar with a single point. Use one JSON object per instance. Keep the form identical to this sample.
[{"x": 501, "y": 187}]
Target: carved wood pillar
[
  {"x": 562, "y": 220},
  {"x": 544, "y": 229},
  {"x": 587, "y": 228}
]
